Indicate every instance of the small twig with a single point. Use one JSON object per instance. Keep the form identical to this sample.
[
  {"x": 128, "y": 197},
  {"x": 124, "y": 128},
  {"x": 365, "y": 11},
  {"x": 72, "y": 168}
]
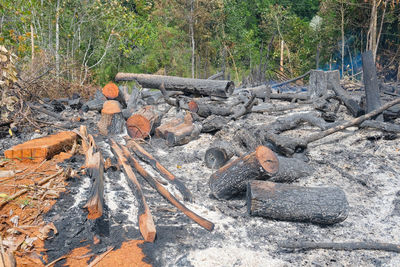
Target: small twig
[
  {"x": 56, "y": 260},
  {"x": 99, "y": 258}
]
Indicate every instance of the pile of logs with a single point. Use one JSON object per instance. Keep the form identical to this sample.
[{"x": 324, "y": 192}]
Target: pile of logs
[{"x": 258, "y": 162}]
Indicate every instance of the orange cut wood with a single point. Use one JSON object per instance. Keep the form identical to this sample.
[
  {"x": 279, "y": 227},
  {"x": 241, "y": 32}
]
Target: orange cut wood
[
  {"x": 45, "y": 147},
  {"x": 110, "y": 90},
  {"x": 138, "y": 126},
  {"x": 111, "y": 107}
]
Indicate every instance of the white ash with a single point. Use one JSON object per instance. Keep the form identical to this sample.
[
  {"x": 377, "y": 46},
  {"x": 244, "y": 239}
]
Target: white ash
[{"x": 83, "y": 190}]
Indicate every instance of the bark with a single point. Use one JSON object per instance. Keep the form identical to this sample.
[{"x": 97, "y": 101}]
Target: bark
[
  {"x": 166, "y": 194},
  {"x": 320, "y": 205},
  {"x": 231, "y": 179},
  {"x": 289, "y": 96},
  {"x": 379, "y": 125},
  {"x": 145, "y": 219},
  {"x": 290, "y": 170},
  {"x": 214, "y": 123},
  {"x": 187, "y": 85},
  {"x": 262, "y": 91},
  {"x": 371, "y": 83},
  {"x": 148, "y": 158},
  {"x": 111, "y": 121},
  {"x": 183, "y": 134},
  {"x": 205, "y": 109},
  {"x": 96, "y": 103}
]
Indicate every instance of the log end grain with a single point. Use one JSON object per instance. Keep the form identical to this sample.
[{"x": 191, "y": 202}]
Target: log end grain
[
  {"x": 110, "y": 91},
  {"x": 267, "y": 159},
  {"x": 138, "y": 126},
  {"x": 193, "y": 107},
  {"x": 215, "y": 157},
  {"x": 111, "y": 107}
]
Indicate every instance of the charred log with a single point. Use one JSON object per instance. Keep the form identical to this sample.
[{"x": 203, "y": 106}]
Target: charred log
[
  {"x": 371, "y": 83},
  {"x": 320, "y": 205}
]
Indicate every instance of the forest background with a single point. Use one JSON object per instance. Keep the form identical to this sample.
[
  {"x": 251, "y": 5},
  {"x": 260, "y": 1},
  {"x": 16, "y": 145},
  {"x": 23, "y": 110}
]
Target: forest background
[{"x": 78, "y": 43}]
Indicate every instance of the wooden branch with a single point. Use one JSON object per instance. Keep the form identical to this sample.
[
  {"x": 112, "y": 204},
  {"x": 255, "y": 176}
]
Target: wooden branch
[
  {"x": 148, "y": 158},
  {"x": 347, "y": 246},
  {"x": 166, "y": 194},
  {"x": 380, "y": 125},
  {"x": 357, "y": 121},
  {"x": 146, "y": 223},
  {"x": 321, "y": 205},
  {"x": 291, "y": 80},
  {"x": 188, "y": 85}
]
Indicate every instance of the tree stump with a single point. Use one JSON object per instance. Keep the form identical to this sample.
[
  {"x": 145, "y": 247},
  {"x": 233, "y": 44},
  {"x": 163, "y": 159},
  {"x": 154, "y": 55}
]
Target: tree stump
[
  {"x": 112, "y": 121},
  {"x": 320, "y": 205},
  {"x": 232, "y": 178},
  {"x": 143, "y": 122},
  {"x": 373, "y": 100}
]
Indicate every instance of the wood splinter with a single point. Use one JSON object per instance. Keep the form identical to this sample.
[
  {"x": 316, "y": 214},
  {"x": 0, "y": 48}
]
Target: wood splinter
[
  {"x": 166, "y": 194},
  {"x": 146, "y": 223},
  {"x": 148, "y": 158},
  {"x": 94, "y": 165}
]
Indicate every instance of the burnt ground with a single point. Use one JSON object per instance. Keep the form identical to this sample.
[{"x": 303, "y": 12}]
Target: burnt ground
[{"x": 364, "y": 163}]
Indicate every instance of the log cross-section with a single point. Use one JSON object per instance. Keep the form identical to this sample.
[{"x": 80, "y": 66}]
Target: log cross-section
[
  {"x": 166, "y": 194},
  {"x": 187, "y": 85},
  {"x": 146, "y": 223},
  {"x": 232, "y": 178},
  {"x": 148, "y": 158}
]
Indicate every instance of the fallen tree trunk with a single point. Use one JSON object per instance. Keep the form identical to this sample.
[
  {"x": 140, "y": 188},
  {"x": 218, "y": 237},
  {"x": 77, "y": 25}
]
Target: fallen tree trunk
[
  {"x": 232, "y": 178},
  {"x": 187, "y": 85},
  {"x": 146, "y": 223},
  {"x": 380, "y": 125},
  {"x": 290, "y": 170},
  {"x": 204, "y": 109},
  {"x": 347, "y": 246},
  {"x": 148, "y": 158},
  {"x": 166, "y": 194},
  {"x": 143, "y": 123},
  {"x": 112, "y": 121},
  {"x": 320, "y": 205}
]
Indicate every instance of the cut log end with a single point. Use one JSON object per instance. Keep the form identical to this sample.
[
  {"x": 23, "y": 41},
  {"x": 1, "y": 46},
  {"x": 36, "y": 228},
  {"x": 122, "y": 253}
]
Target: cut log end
[
  {"x": 138, "y": 126},
  {"x": 147, "y": 227},
  {"x": 111, "y": 107},
  {"x": 95, "y": 208},
  {"x": 110, "y": 90},
  {"x": 193, "y": 107},
  {"x": 267, "y": 159}
]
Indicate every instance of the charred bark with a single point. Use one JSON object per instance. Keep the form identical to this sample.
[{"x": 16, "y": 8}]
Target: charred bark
[
  {"x": 320, "y": 205},
  {"x": 371, "y": 83}
]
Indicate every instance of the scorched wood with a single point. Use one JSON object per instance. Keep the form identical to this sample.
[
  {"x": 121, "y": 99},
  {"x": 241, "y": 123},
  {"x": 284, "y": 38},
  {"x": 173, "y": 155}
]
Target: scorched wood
[
  {"x": 187, "y": 85},
  {"x": 371, "y": 82},
  {"x": 147, "y": 157},
  {"x": 112, "y": 92},
  {"x": 232, "y": 178},
  {"x": 146, "y": 223},
  {"x": 143, "y": 123},
  {"x": 219, "y": 153},
  {"x": 166, "y": 194},
  {"x": 320, "y": 205}
]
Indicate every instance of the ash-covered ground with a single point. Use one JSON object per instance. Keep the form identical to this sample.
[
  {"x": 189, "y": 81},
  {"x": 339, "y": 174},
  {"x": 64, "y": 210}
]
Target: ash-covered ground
[{"x": 364, "y": 163}]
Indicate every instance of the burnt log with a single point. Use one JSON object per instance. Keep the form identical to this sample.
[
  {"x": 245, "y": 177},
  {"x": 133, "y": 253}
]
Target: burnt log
[
  {"x": 320, "y": 205},
  {"x": 187, "y": 85},
  {"x": 218, "y": 154},
  {"x": 371, "y": 85},
  {"x": 205, "y": 109},
  {"x": 166, "y": 194},
  {"x": 148, "y": 158},
  {"x": 348, "y": 101},
  {"x": 232, "y": 178},
  {"x": 96, "y": 103},
  {"x": 162, "y": 130},
  {"x": 289, "y": 96},
  {"x": 262, "y": 91},
  {"x": 380, "y": 125},
  {"x": 290, "y": 170},
  {"x": 142, "y": 124},
  {"x": 145, "y": 219},
  {"x": 111, "y": 121},
  {"x": 183, "y": 134},
  {"x": 213, "y": 123}
]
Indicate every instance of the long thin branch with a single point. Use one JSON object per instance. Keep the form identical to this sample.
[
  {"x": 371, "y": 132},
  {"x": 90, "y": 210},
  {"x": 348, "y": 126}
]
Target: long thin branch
[{"x": 348, "y": 246}]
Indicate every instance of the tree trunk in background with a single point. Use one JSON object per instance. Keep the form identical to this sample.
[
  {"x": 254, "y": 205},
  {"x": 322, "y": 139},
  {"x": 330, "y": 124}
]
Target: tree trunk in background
[
  {"x": 32, "y": 43},
  {"x": 342, "y": 30},
  {"x": 281, "y": 61},
  {"x": 57, "y": 39},
  {"x": 371, "y": 37},
  {"x": 192, "y": 33}
]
